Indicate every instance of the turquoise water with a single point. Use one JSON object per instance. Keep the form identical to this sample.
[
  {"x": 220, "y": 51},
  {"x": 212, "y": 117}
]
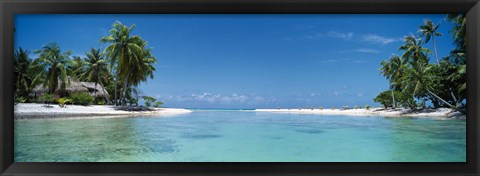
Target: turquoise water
[{"x": 238, "y": 136}]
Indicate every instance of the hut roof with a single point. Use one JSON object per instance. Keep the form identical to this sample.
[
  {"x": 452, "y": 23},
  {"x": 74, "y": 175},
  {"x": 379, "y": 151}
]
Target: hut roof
[{"x": 76, "y": 86}]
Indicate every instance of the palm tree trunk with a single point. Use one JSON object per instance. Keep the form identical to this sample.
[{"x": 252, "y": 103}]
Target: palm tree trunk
[
  {"x": 116, "y": 83},
  {"x": 436, "y": 96},
  {"x": 125, "y": 83},
  {"x": 435, "y": 48},
  {"x": 95, "y": 93},
  {"x": 136, "y": 88},
  {"x": 393, "y": 99},
  {"x": 453, "y": 96},
  {"x": 104, "y": 92}
]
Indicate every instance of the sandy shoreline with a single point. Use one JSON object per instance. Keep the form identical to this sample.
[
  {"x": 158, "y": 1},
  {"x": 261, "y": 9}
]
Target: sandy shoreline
[
  {"x": 434, "y": 113},
  {"x": 35, "y": 111},
  {"x": 32, "y": 110}
]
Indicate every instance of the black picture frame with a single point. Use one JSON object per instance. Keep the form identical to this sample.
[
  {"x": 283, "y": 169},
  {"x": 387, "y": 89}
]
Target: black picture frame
[{"x": 11, "y": 7}]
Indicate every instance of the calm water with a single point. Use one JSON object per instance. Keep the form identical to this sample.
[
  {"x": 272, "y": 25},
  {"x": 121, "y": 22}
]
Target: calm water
[{"x": 240, "y": 136}]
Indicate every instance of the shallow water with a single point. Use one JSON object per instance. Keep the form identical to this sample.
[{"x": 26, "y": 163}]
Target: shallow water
[{"x": 237, "y": 136}]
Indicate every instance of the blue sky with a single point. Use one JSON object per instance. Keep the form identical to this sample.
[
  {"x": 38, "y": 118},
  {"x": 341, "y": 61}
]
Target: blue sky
[{"x": 249, "y": 61}]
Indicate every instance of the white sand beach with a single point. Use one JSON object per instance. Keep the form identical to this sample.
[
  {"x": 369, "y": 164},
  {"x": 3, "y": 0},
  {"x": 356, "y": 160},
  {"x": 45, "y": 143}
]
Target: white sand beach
[
  {"x": 437, "y": 113},
  {"x": 33, "y": 110}
]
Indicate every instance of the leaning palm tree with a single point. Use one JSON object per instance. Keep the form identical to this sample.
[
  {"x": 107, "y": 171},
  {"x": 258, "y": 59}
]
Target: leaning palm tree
[
  {"x": 418, "y": 80},
  {"x": 123, "y": 51},
  {"x": 429, "y": 31},
  {"x": 96, "y": 69},
  {"x": 56, "y": 64}
]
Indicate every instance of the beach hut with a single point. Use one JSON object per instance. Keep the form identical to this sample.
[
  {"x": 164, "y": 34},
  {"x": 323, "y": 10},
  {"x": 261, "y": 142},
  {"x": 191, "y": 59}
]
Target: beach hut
[{"x": 97, "y": 91}]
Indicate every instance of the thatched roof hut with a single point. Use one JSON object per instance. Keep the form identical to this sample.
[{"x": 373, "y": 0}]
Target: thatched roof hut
[{"x": 75, "y": 86}]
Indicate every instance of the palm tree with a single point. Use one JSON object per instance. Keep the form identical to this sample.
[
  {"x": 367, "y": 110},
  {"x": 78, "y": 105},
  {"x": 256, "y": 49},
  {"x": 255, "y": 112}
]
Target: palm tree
[
  {"x": 56, "y": 64},
  {"x": 96, "y": 69},
  {"x": 429, "y": 31},
  {"x": 393, "y": 70},
  {"x": 26, "y": 73},
  {"x": 76, "y": 67},
  {"x": 141, "y": 70},
  {"x": 413, "y": 50},
  {"x": 123, "y": 51},
  {"x": 418, "y": 79},
  {"x": 459, "y": 30},
  {"x": 458, "y": 55},
  {"x": 22, "y": 63},
  {"x": 459, "y": 77}
]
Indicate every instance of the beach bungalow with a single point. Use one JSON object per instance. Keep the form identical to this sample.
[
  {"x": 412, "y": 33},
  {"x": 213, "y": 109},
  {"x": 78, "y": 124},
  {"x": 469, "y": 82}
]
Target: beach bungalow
[{"x": 97, "y": 91}]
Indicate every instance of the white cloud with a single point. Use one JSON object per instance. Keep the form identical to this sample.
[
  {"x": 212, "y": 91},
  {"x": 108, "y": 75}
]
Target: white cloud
[
  {"x": 344, "y": 36},
  {"x": 375, "y": 38},
  {"x": 343, "y": 60},
  {"x": 332, "y": 34},
  {"x": 315, "y": 36},
  {"x": 347, "y": 36},
  {"x": 362, "y": 50},
  {"x": 367, "y": 50},
  {"x": 217, "y": 98}
]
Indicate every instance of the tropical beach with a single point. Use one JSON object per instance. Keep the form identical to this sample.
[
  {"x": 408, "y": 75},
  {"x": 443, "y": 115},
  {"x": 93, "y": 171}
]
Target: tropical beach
[
  {"x": 33, "y": 111},
  {"x": 441, "y": 113},
  {"x": 240, "y": 88}
]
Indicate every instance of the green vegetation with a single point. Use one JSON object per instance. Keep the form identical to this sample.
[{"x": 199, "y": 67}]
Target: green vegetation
[
  {"x": 47, "y": 98},
  {"x": 149, "y": 100},
  {"x": 414, "y": 81},
  {"x": 81, "y": 98},
  {"x": 386, "y": 98},
  {"x": 346, "y": 107},
  {"x": 62, "y": 102},
  {"x": 121, "y": 67},
  {"x": 20, "y": 100},
  {"x": 158, "y": 104},
  {"x": 55, "y": 63},
  {"x": 27, "y": 75},
  {"x": 94, "y": 69},
  {"x": 321, "y": 108},
  {"x": 367, "y": 107},
  {"x": 129, "y": 57}
]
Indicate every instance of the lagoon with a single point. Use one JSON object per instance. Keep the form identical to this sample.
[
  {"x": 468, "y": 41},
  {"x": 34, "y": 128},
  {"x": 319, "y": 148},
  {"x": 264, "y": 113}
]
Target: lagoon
[{"x": 241, "y": 136}]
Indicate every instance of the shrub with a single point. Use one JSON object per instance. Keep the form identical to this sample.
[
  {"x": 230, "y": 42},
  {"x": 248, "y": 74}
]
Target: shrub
[
  {"x": 321, "y": 108},
  {"x": 357, "y": 107},
  {"x": 81, "y": 98},
  {"x": 148, "y": 100},
  {"x": 100, "y": 102},
  {"x": 367, "y": 107},
  {"x": 20, "y": 100},
  {"x": 47, "y": 98},
  {"x": 345, "y": 107},
  {"x": 158, "y": 104},
  {"x": 63, "y": 101}
]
